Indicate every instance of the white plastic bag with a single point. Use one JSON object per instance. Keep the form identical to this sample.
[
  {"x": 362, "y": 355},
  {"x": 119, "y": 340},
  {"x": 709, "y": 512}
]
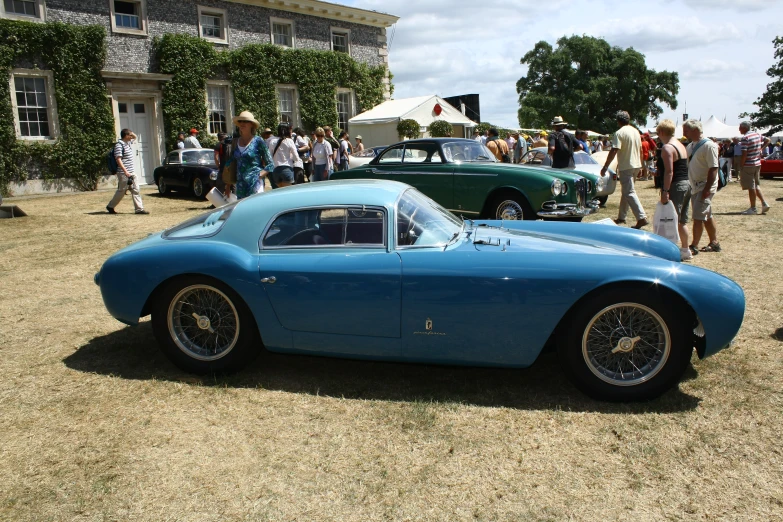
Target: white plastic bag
[
  {"x": 218, "y": 199},
  {"x": 665, "y": 222}
]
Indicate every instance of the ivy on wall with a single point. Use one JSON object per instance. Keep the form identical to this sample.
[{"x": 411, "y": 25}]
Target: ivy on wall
[
  {"x": 75, "y": 55},
  {"x": 254, "y": 70}
]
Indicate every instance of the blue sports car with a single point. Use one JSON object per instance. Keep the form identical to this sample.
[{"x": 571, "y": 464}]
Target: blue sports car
[{"x": 374, "y": 269}]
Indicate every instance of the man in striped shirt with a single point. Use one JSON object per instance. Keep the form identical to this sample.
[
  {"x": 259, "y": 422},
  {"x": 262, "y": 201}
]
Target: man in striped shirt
[
  {"x": 123, "y": 152},
  {"x": 751, "y": 168}
]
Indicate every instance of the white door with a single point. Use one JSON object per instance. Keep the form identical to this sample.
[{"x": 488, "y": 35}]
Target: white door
[{"x": 135, "y": 115}]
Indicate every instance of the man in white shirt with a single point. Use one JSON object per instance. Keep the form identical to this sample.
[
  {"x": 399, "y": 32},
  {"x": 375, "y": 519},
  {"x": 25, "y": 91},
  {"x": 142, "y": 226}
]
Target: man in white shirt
[
  {"x": 191, "y": 142},
  {"x": 703, "y": 175},
  {"x": 343, "y": 158},
  {"x": 627, "y": 146},
  {"x": 511, "y": 142}
]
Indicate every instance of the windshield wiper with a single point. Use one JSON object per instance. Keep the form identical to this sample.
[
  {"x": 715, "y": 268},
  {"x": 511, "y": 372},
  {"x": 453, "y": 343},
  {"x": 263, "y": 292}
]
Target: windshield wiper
[{"x": 457, "y": 234}]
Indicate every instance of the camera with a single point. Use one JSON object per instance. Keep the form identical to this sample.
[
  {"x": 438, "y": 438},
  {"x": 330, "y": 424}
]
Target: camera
[{"x": 129, "y": 185}]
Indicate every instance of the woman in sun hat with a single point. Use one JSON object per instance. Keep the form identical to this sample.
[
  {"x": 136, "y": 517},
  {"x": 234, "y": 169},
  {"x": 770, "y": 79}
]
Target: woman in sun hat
[
  {"x": 254, "y": 163},
  {"x": 359, "y": 145}
]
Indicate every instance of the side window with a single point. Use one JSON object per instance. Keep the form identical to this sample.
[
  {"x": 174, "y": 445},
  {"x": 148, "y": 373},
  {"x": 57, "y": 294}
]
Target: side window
[
  {"x": 173, "y": 157},
  {"x": 422, "y": 153},
  {"x": 332, "y": 227},
  {"x": 189, "y": 157},
  {"x": 391, "y": 156}
]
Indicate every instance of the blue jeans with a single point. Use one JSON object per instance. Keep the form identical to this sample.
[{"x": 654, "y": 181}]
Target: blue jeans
[
  {"x": 283, "y": 175},
  {"x": 321, "y": 173}
]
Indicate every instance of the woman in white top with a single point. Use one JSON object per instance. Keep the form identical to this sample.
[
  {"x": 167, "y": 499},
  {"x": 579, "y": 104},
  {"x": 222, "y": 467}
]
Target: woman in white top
[
  {"x": 322, "y": 157},
  {"x": 285, "y": 156}
]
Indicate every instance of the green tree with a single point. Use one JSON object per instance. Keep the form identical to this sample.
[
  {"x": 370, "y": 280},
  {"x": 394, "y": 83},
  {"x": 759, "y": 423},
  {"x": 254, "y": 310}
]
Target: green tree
[
  {"x": 587, "y": 81},
  {"x": 441, "y": 129},
  {"x": 770, "y": 104},
  {"x": 408, "y": 129}
]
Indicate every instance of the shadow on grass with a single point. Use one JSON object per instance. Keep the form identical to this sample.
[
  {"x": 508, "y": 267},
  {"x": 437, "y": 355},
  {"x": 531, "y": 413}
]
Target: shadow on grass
[
  {"x": 778, "y": 334},
  {"x": 132, "y": 353}
]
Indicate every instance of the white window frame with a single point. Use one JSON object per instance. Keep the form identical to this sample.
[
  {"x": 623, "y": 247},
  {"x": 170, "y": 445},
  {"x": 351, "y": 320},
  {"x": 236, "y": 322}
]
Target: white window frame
[
  {"x": 142, "y": 18},
  {"x": 40, "y": 9},
  {"x": 51, "y": 104},
  {"x": 352, "y": 108},
  {"x": 229, "y": 103},
  {"x": 295, "y": 116},
  {"x": 218, "y": 13},
  {"x": 340, "y": 30},
  {"x": 282, "y": 21}
]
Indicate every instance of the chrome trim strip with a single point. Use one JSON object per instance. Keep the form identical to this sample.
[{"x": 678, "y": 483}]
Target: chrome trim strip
[{"x": 475, "y": 175}]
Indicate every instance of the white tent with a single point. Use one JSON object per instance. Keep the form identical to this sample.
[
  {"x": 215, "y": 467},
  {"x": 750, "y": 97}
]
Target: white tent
[
  {"x": 378, "y": 126},
  {"x": 714, "y": 128}
]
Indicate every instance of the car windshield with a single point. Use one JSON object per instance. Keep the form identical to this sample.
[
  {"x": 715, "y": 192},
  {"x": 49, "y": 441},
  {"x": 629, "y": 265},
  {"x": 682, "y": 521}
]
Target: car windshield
[
  {"x": 583, "y": 158},
  {"x": 423, "y": 223},
  {"x": 467, "y": 150},
  {"x": 198, "y": 157},
  {"x": 366, "y": 153}
]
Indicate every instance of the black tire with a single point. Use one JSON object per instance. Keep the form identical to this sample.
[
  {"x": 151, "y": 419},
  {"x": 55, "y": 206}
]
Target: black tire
[
  {"x": 630, "y": 372},
  {"x": 507, "y": 204},
  {"x": 602, "y": 200},
  {"x": 197, "y": 187},
  {"x": 163, "y": 187},
  {"x": 187, "y": 341}
]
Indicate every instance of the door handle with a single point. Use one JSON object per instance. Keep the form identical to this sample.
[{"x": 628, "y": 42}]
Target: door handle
[
  {"x": 271, "y": 280},
  {"x": 374, "y": 171}
]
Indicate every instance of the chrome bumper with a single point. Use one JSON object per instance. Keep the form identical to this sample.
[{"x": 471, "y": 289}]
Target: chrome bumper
[{"x": 553, "y": 209}]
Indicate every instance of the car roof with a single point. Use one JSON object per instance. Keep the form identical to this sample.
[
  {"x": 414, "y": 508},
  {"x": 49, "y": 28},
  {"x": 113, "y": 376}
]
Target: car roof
[{"x": 370, "y": 192}]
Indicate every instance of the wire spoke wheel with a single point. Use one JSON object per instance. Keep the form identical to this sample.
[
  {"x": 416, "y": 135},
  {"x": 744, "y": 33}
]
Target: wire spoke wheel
[
  {"x": 626, "y": 344},
  {"x": 203, "y": 322},
  {"x": 198, "y": 187},
  {"x": 509, "y": 210}
]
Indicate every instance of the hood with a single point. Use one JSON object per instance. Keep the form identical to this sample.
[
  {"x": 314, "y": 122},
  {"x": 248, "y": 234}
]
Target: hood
[{"x": 569, "y": 238}]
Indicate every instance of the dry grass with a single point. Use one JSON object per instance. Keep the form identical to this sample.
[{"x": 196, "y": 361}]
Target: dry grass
[{"x": 97, "y": 425}]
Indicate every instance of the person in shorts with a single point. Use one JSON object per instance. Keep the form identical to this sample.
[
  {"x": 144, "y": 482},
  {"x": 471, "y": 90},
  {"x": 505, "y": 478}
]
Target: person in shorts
[
  {"x": 703, "y": 167},
  {"x": 285, "y": 156},
  {"x": 675, "y": 186},
  {"x": 751, "y": 168}
]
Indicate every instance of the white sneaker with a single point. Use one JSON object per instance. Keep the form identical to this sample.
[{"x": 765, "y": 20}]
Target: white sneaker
[
  {"x": 764, "y": 208},
  {"x": 750, "y": 212},
  {"x": 685, "y": 254}
]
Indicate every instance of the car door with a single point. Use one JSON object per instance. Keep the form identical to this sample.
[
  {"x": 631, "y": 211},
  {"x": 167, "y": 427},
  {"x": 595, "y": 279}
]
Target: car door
[
  {"x": 170, "y": 167},
  {"x": 772, "y": 165},
  {"x": 421, "y": 165},
  {"x": 332, "y": 280}
]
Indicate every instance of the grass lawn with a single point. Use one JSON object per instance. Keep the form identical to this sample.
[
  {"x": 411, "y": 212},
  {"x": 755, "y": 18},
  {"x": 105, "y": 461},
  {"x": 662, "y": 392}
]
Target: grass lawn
[{"x": 97, "y": 425}]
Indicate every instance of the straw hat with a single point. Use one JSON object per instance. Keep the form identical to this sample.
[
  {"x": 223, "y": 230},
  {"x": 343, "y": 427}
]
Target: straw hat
[
  {"x": 246, "y": 116},
  {"x": 558, "y": 121},
  {"x": 358, "y": 137}
]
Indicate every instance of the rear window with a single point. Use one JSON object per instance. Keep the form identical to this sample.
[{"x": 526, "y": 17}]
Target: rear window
[{"x": 204, "y": 225}]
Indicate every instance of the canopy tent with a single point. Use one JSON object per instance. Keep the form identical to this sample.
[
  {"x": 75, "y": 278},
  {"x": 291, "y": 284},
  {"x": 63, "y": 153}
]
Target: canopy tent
[
  {"x": 714, "y": 128},
  {"x": 378, "y": 126}
]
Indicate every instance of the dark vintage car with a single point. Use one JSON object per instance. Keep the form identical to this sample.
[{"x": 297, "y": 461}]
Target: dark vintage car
[
  {"x": 189, "y": 169},
  {"x": 772, "y": 166},
  {"x": 464, "y": 176}
]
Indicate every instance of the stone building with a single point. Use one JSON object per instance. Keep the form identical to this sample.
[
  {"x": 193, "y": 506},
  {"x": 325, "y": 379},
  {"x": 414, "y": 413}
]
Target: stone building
[{"x": 134, "y": 82}]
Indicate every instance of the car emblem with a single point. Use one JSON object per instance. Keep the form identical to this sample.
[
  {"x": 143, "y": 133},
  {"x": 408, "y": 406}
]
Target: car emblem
[{"x": 428, "y": 324}]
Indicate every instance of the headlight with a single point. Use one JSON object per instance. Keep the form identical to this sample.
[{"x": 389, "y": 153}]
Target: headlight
[
  {"x": 600, "y": 184},
  {"x": 557, "y": 187},
  {"x": 213, "y": 175}
]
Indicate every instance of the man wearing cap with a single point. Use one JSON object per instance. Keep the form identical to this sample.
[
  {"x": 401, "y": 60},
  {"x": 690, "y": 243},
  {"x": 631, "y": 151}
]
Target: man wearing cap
[
  {"x": 191, "y": 142},
  {"x": 562, "y": 145},
  {"x": 627, "y": 146},
  {"x": 539, "y": 140}
]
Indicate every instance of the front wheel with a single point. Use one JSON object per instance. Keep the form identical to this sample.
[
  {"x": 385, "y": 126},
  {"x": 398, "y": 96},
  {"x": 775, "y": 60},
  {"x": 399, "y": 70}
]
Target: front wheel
[
  {"x": 627, "y": 346},
  {"x": 198, "y": 188},
  {"x": 511, "y": 208},
  {"x": 602, "y": 200},
  {"x": 163, "y": 187},
  {"x": 203, "y": 326}
]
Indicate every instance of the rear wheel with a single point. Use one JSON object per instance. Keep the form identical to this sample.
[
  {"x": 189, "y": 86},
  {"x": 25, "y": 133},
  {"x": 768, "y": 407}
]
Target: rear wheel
[
  {"x": 627, "y": 345},
  {"x": 511, "y": 207},
  {"x": 197, "y": 186},
  {"x": 203, "y": 326},
  {"x": 163, "y": 187}
]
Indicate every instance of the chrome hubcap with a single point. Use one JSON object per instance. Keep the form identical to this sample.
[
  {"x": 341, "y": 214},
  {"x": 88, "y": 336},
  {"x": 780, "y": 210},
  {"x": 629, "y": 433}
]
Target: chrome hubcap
[
  {"x": 510, "y": 210},
  {"x": 626, "y": 344},
  {"x": 203, "y": 322},
  {"x": 197, "y": 187}
]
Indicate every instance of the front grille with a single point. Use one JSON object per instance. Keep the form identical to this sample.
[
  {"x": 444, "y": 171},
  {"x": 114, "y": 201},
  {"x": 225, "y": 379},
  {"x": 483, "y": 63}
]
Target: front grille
[{"x": 581, "y": 186}]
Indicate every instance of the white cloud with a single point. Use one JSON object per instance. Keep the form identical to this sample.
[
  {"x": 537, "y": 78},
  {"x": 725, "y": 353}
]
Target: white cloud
[
  {"x": 712, "y": 68},
  {"x": 736, "y": 5},
  {"x": 646, "y": 34}
]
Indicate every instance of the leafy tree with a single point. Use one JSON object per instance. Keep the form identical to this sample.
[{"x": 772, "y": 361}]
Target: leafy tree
[
  {"x": 484, "y": 126},
  {"x": 441, "y": 129},
  {"x": 587, "y": 81},
  {"x": 770, "y": 104}
]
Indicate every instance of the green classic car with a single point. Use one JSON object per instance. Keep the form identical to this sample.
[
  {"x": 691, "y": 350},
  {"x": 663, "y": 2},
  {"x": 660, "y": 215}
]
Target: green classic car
[{"x": 464, "y": 176}]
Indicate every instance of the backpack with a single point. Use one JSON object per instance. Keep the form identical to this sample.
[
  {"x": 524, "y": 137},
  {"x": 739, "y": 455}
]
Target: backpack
[
  {"x": 111, "y": 159},
  {"x": 722, "y": 177}
]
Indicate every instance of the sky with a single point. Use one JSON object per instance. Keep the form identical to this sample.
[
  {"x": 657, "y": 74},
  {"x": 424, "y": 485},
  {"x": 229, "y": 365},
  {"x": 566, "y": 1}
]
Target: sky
[{"x": 720, "y": 48}]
